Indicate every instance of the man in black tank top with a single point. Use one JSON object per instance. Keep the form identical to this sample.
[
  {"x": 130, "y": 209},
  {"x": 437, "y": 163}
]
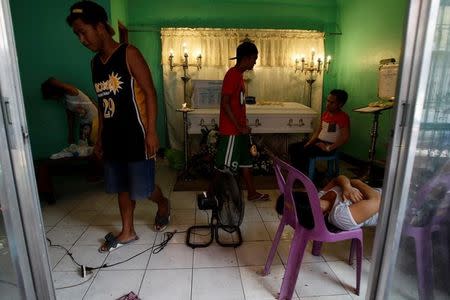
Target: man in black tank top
[{"x": 127, "y": 119}]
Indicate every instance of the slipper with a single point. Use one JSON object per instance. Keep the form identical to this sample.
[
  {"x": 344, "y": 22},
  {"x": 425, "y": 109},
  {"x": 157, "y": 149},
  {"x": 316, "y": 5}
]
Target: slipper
[
  {"x": 260, "y": 198},
  {"x": 109, "y": 236},
  {"x": 161, "y": 222},
  {"x": 112, "y": 243}
]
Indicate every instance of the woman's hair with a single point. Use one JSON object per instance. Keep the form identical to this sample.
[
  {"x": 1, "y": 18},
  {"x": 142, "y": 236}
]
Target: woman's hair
[
  {"x": 90, "y": 13},
  {"x": 51, "y": 91}
]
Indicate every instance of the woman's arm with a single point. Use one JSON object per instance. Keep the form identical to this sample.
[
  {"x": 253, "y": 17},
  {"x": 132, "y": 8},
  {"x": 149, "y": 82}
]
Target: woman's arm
[
  {"x": 348, "y": 191},
  {"x": 370, "y": 205},
  {"x": 366, "y": 191}
]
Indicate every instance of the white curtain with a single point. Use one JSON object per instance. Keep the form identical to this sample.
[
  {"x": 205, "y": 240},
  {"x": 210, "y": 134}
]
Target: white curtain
[{"x": 273, "y": 78}]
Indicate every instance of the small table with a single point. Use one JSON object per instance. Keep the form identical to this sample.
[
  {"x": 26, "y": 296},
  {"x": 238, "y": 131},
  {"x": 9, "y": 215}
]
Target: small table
[{"x": 376, "y": 111}]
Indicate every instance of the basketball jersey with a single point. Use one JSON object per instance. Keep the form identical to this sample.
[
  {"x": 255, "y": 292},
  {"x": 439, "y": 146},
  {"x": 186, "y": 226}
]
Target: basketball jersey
[{"x": 122, "y": 104}]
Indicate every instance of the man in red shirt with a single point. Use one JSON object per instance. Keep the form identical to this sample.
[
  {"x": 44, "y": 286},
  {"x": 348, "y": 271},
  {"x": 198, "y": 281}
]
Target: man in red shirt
[
  {"x": 234, "y": 142},
  {"x": 333, "y": 132}
]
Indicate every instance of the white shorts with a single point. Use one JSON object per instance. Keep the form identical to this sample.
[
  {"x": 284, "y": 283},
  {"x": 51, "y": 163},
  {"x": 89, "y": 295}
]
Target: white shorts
[{"x": 340, "y": 215}]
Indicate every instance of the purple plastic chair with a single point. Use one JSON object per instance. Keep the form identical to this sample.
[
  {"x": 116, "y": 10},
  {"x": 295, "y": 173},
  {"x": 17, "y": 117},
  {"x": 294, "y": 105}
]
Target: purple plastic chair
[
  {"x": 302, "y": 235},
  {"x": 422, "y": 234}
]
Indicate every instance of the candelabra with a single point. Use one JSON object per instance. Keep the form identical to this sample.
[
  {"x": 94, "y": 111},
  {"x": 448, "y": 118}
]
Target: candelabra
[
  {"x": 184, "y": 109},
  {"x": 185, "y": 65},
  {"x": 312, "y": 69},
  {"x": 185, "y": 175}
]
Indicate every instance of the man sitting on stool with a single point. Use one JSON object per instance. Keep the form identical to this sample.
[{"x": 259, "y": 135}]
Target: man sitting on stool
[{"x": 333, "y": 132}]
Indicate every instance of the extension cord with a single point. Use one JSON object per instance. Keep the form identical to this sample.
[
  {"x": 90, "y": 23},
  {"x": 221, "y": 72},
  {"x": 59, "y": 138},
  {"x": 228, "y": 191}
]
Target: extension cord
[{"x": 84, "y": 271}]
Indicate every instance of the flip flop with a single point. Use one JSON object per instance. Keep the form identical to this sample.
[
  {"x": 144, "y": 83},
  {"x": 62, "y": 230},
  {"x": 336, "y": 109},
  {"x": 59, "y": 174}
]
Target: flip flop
[
  {"x": 112, "y": 243},
  {"x": 260, "y": 198},
  {"x": 161, "y": 222}
]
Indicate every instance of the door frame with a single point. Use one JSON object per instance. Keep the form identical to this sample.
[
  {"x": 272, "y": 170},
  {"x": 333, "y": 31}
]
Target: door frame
[
  {"x": 23, "y": 219},
  {"x": 412, "y": 85}
]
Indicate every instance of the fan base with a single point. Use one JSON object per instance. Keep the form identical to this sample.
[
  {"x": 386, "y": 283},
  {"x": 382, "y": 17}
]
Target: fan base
[{"x": 214, "y": 234}]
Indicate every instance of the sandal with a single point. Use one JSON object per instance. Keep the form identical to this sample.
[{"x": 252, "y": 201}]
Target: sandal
[
  {"x": 259, "y": 198},
  {"x": 112, "y": 243},
  {"x": 161, "y": 222}
]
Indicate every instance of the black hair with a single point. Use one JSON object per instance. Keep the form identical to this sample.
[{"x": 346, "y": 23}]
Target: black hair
[
  {"x": 90, "y": 13},
  {"x": 50, "y": 91},
  {"x": 340, "y": 95}
]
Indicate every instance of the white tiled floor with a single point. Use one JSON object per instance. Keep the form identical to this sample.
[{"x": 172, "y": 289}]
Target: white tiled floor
[{"x": 83, "y": 214}]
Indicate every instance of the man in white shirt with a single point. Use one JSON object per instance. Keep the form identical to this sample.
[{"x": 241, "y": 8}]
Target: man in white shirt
[{"x": 333, "y": 132}]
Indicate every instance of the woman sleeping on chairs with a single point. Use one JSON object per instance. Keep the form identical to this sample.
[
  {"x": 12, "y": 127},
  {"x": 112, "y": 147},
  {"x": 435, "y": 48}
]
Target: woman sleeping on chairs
[
  {"x": 348, "y": 204},
  {"x": 351, "y": 204}
]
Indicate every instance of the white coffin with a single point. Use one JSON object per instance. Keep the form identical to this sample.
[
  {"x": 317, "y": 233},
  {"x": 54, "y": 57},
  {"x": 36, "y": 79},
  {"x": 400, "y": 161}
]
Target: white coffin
[{"x": 283, "y": 117}]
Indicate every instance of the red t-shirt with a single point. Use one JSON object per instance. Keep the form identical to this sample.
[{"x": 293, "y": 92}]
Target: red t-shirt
[
  {"x": 332, "y": 125},
  {"x": 233, "y": 86}
]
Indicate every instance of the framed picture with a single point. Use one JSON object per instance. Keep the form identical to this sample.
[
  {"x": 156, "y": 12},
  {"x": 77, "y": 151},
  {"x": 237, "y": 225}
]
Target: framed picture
[{"x": 206, "y": 93}]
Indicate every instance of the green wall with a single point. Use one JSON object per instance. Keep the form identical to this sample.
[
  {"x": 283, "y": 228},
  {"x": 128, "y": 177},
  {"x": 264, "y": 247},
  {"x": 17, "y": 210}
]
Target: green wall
[
  {"x": 119, "y": 12},
  {"x": 46, "y": 46},
  {"x": 372, "y": 30},
  {"x": 145, "y": 18}
]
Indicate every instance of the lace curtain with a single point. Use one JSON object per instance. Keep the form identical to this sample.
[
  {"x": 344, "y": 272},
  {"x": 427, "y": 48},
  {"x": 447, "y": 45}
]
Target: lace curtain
[{"x": 273, "y": 78}]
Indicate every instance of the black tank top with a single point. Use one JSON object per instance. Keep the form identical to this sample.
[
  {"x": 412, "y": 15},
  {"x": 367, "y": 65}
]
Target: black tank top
[{"x": 122, "y": 104}]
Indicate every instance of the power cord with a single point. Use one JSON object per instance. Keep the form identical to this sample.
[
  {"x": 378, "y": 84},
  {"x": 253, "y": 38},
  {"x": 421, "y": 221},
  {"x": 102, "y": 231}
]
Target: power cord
[{"x": 85, "y": 270}]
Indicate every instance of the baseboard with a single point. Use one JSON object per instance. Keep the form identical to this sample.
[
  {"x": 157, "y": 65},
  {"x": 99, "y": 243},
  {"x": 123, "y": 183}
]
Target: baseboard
[{"x": 359, "y": 162}]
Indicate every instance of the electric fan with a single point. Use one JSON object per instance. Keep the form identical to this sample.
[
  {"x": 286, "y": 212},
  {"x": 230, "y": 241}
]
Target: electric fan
[{"x": 224, "y": 199}]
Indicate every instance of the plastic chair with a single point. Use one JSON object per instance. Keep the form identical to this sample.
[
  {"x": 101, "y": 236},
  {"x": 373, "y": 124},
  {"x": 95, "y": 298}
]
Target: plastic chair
[
  {"x": 333, "y": 165},
  {"x": 302, "y": 235},
  {"x": 422, "y": 235}
]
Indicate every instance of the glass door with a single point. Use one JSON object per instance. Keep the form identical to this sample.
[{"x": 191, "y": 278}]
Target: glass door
[
  {"x": 24, "y": 265},
  {"x": 412, "y": 252}
]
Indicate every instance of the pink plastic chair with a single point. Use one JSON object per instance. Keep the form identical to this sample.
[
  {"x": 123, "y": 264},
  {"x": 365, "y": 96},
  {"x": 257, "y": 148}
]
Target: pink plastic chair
[{"x": 302, "y": 235}]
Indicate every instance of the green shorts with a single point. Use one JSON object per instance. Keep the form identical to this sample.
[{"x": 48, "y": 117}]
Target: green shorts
[{"x": 233, "y": 151}]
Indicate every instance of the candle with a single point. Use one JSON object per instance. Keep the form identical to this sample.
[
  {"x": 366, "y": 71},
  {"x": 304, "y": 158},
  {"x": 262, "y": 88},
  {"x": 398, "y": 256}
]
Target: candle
[
  {"x": 171, "y": 59},
  {"x": 313, "y": 52},
  {"x": 183, "y": 106},
  {"x": 327, "y": 63}
]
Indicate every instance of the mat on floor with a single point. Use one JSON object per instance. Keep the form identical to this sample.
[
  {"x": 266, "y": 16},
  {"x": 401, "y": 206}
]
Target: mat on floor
[{"x": 201, "y": 184}]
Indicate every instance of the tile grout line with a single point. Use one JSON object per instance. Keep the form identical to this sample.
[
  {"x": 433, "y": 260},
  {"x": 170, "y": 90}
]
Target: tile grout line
[
  {"x": 240, "y": 275},
  {"x": 148, "y": 262},
  {"x": 340, "y": 281},
  {"x": 192, "y": 269}
]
